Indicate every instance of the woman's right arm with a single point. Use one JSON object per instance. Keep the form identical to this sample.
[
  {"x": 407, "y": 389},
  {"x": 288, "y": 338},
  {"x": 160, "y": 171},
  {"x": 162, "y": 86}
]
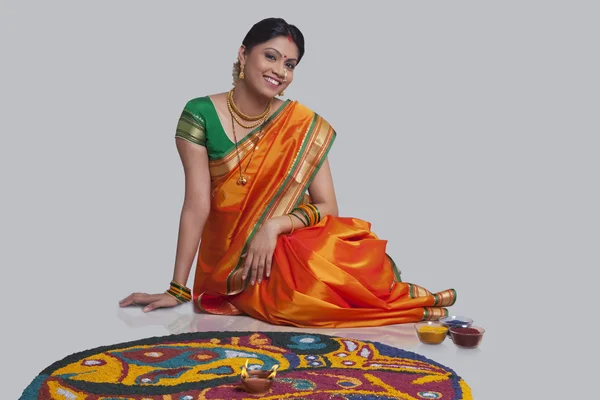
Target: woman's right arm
[
  {"x": 196, "y": 206},
  {"x": 194, "y": 213}
]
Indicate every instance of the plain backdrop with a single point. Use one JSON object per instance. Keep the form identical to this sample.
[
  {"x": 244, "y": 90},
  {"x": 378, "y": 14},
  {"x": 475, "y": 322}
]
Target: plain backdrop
[{"x": 467, "y": 136}]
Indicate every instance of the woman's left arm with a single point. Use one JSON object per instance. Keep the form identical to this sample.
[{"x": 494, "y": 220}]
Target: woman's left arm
[
  {"x": 322, "y": 192},
  {"x": 322, "y": 195},
  {"x": 260, "y": 254}
]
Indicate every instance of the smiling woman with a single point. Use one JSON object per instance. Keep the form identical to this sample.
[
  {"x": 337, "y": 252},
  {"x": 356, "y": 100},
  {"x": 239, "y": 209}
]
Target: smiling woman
[{"x": 260, "y": 204}]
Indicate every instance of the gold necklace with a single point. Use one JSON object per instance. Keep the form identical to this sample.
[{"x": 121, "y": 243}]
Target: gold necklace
[
  {"x": 242, "y": 179},
  {"x": 239, "y": 112},
  {"x": 250, "y": 126},
  {"x": 259, "y": 119},
  {"x": 235, "y": 112}
]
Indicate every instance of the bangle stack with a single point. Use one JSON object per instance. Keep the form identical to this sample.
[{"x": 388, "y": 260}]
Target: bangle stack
[
  {"x": 307, "y": 213},
  {"x": 182, "y": 293}
]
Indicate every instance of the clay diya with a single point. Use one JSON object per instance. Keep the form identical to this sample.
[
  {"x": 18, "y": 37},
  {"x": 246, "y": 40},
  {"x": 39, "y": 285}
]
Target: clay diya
[{"x": 258, "y": 381}]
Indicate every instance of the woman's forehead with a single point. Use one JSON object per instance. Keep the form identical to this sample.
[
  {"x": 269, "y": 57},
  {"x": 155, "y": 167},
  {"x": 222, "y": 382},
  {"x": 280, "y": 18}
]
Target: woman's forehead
[{"x": 282, "y": 45}]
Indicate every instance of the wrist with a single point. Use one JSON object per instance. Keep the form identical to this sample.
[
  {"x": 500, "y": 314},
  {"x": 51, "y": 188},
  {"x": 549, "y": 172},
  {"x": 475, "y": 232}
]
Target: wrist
[
  {"x": 180, "y": 292},
  {"x": 275, "y": 226}
]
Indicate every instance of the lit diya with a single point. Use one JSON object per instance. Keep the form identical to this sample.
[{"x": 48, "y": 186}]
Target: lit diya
[{"x": 258, "y": 381}]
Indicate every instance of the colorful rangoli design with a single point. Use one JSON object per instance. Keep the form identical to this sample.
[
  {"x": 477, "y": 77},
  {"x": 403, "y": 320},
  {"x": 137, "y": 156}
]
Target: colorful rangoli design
[{"x": 207, "y": 365}]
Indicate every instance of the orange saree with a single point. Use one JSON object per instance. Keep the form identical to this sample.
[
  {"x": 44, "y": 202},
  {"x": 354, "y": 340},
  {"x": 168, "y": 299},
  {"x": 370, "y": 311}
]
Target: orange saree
[{"x": 333, "y": 274}]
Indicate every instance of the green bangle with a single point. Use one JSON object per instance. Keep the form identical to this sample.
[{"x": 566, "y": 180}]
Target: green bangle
[
  {"x": 312, "y": 216},
  {"x": 177, "y": 297},
  {"x": 179, "y": 293},
  {"x": 181, "y": 287},
  {"x": 306, "y": 221}
]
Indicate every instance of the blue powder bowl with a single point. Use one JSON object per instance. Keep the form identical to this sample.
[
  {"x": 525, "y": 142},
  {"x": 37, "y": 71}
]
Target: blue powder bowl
[{"x": 455, "y": 321}]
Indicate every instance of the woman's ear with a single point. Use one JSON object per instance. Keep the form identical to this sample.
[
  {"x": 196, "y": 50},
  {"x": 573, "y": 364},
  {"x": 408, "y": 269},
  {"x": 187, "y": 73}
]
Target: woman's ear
[{"x": 242, "y": 54}]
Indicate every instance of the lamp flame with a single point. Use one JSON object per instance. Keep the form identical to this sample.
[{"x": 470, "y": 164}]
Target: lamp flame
[
  {"x": 245, "y": 370},
  {"x": 272, "y": 374}
]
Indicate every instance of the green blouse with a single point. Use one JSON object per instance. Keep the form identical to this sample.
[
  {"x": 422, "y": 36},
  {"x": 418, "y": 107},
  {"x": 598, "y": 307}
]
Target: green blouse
[{"x": 199, "y": 123}]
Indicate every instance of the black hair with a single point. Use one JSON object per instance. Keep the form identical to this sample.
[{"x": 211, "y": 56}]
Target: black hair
[{"x": 270, "y": 28}]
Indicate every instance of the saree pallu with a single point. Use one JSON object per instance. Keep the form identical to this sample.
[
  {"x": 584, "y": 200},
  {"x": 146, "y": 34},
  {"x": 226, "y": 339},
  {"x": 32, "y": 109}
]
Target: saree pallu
[{"x": 333, "y": 274}]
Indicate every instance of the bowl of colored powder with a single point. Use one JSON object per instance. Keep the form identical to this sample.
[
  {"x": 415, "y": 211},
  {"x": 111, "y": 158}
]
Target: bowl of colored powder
[
  {"x": 431, "y": 332},
  {"x": 467, "y": 337},
  {"x": 454, "y": 321}
]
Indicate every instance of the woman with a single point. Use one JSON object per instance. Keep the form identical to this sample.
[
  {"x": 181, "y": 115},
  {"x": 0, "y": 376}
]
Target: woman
[{"x": 259, "y": 198}]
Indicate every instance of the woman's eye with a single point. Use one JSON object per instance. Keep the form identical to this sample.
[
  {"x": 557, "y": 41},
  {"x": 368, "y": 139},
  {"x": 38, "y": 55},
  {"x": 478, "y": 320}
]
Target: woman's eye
[
  {"x": 270, "y": 57},
  {"x": 290, "y": 66}
]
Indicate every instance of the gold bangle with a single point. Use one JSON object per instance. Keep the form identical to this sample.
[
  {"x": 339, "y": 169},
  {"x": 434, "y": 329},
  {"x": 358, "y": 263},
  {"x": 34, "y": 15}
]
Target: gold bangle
[
  {"x": 180, "y": 293},
  {"x": 179, "y": 299},
  {"x": 316, "y": 212},
  {"x": 292, "y": 221},
  {"x": 311, "y": 214}
]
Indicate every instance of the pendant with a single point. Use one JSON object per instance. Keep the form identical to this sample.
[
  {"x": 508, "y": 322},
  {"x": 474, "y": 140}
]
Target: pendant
[{"x": 242, "y": 181}]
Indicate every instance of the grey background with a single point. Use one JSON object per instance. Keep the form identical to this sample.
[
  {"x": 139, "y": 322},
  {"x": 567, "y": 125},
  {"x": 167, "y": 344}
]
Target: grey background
[{"x": 467, "y": 135}]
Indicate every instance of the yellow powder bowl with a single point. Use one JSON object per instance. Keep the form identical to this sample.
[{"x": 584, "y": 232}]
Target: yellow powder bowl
[{"x": 431, "y": 332}]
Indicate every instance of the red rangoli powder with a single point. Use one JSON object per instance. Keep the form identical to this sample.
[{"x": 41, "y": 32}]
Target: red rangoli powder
[{"x": 465, "y": 330}]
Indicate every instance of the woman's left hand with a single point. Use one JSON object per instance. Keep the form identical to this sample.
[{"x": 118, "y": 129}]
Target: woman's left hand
[{"x": 260, "y": 253}]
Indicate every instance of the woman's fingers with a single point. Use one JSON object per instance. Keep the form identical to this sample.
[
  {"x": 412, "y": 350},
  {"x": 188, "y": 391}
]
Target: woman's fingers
[
  {"x": 257, "y": 265},
  {"x": 268, "y": 262},
  {"x": 138, "y": 298},
  {"x": 163, "y": 301},
  {"x": 247, "y": 264},
  {"x": 261, "y": 268},
  {"x": 128, "y": 300},
  {"x": 151, "y": 301},
  {"x": 254, "y": 272}
]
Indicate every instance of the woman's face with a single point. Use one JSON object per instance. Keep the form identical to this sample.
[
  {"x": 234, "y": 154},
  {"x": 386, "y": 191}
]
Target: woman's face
[{"x": 269, "y": 67}]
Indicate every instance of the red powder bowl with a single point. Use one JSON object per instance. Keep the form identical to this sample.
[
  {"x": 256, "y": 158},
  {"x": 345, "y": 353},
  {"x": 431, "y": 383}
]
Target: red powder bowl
[{"x": 467, "y": 337}]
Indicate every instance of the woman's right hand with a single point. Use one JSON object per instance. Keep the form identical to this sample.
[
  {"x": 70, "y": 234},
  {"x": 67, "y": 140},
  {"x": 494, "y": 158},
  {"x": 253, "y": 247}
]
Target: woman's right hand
[{"x": 150, "y": 301}]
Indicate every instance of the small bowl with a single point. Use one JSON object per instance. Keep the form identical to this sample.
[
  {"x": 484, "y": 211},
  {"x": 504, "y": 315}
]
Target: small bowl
[
  {"x": 456, "y": 321},
  {"x": 431, "y": 332},
  {"x": 257, "y": 382},
  {"x": 467, "y": 340}
]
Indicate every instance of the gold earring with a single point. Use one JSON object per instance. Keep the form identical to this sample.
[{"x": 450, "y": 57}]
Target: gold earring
[
  {"x": 281, "y": 93},
  {"x": 242, "y": 71}
]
